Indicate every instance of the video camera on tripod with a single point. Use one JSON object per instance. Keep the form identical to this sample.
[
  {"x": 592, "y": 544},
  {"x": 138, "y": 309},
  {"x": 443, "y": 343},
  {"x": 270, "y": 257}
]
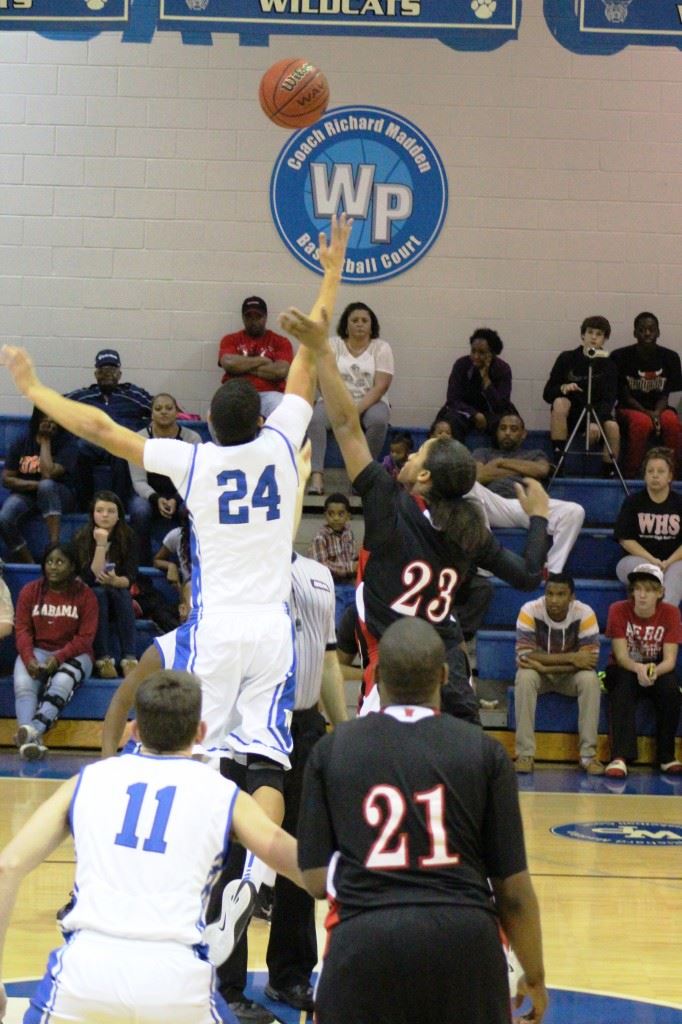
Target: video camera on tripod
[{"x": 589, "y": 415}]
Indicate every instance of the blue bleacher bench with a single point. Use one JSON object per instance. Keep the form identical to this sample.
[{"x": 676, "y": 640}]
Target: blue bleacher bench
[
  {"x": 496, "y": 659},
  {"x": 506, "y": 602},
  {"x": 556, "y": 713},
  {"x": 595, "y": 553},
  {"x": 89, "y": 702}
]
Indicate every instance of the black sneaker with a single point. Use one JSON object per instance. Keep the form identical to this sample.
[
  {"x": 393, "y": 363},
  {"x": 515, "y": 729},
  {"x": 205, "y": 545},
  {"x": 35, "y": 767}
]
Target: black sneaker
[
  {"x": 248, "y": 1012},
  {"x": 264, "y": 900},
  {"x": 298, "y": 996}
]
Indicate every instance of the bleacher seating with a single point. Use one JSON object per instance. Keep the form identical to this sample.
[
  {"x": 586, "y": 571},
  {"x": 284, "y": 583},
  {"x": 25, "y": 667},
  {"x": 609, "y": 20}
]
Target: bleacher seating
[
  {"x": 555, "y": 713},
  {"x": 592, "y": 562},
  {"x": 92, "y": 699}
]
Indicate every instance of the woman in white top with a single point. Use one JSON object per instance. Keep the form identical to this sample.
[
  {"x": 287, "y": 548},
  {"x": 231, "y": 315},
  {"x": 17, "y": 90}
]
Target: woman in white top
[{"x": 365, "y": 362}]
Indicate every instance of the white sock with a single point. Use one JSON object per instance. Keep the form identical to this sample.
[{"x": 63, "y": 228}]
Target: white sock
[{"x": 257, "y": 872}]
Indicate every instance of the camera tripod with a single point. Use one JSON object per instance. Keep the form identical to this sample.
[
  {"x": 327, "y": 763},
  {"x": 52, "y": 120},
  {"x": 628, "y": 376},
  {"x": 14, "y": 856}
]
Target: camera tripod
[{"x": 589, "y": 414}]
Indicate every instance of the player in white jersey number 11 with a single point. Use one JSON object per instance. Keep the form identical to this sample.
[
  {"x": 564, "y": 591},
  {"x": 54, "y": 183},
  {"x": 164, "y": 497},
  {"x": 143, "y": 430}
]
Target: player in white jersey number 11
[{"x": 151, "y": 831}]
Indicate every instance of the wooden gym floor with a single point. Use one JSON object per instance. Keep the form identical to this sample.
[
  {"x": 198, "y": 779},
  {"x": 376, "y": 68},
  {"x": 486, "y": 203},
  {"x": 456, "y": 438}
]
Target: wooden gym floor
[{"x": 611, "y": 908}]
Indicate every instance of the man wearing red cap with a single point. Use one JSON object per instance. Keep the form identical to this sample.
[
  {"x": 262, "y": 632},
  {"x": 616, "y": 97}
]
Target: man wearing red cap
[{"x": 257, "y": 354}]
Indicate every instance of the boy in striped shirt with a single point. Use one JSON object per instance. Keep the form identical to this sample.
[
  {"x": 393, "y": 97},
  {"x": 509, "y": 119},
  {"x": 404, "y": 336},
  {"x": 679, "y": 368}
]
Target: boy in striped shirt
[{"x": 557, "y": 648}]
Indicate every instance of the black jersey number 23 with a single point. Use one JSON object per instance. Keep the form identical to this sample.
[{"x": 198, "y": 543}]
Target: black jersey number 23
[{"x": 417, "y": 576}]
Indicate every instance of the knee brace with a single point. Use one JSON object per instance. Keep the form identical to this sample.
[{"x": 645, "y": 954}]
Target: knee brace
[{"x": 261, "y": 771}]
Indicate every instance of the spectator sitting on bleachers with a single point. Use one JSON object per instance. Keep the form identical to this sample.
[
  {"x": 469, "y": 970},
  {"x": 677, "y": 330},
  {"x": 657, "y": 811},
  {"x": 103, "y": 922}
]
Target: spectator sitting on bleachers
[
  {"x": 506, "y": 464},
  {"x": 557, "y": 648},
  {"x": 645, "y": 634},
  {"x": 440, "y": 428},
  {"x": 566, "y": 391},
  {"x": 258, "y": 355},
  {"x": 647, "y": 374},
  {"x": 649, "y": 522},
  {"x": 55, "y": 628},
  {"x": 365, "y": 362},
  {"x": 107, "y": 561},
  {"x": 479, "y": 387},
  {"x": 334, "y": 544},
  {"x": 127, "y": 404},
  {"x": 39, "y": 471},
  {"x": 565, "y": 517},
  {"x": 399, "y": 451},
  {"x": 155, "y": 498},
  {"x": 173, "y": 558}
]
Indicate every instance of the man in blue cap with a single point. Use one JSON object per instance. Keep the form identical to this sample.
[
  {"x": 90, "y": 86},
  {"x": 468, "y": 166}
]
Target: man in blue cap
[{"x": 127, "y": 404}]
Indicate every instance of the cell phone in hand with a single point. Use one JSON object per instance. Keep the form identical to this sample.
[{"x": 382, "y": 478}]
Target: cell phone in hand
[{"x": 110, "y": 567}]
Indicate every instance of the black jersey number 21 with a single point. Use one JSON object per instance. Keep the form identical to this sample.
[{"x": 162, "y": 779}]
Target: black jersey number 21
[{"x": 385, "y": 808}]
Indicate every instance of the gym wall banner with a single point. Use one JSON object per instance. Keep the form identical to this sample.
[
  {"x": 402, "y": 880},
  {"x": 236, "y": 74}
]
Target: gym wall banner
[
  {"x": 606, "y": 26},
  {"x": 459, "y": 24},
  {"x": 376, "y": 166}
]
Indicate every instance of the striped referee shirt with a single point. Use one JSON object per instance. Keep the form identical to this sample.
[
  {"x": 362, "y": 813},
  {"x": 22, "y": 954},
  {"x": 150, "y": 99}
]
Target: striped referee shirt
[{"x": 313, "y": 605}]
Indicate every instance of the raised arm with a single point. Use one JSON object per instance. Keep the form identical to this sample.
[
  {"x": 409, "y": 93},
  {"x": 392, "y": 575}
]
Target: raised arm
[
  {"x": 339, "y": 406},
  {"x": 83, "y": 420},
  {"x": 524, "y": 573},
  {"x": 302, "y": 379}
]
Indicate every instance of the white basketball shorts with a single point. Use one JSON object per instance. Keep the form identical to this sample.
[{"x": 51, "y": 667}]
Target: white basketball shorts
[
  {"x": 245, "y": 660},
  {"x": 97, "y": 979}
]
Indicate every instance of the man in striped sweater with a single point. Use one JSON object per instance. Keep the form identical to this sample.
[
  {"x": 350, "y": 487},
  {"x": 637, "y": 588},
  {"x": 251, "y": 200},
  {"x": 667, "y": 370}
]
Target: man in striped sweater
[{"x": 557, "y": 648}]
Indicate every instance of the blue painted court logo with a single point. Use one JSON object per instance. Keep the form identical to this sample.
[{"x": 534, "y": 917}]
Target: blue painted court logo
[
  {"x": 623, "y": 833},
  {"x": 376, "y": 166}
]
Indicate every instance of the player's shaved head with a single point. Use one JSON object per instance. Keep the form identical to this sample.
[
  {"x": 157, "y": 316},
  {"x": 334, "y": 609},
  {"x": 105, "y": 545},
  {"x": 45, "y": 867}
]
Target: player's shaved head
[
  {"x": 168, "y": 710},
  {"x": 411, "y": 660},
  {"x": 234, "y": 413}
]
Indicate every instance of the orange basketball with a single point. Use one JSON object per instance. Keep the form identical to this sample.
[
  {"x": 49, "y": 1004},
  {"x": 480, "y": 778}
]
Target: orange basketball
[{"x": 293, "y": 93}]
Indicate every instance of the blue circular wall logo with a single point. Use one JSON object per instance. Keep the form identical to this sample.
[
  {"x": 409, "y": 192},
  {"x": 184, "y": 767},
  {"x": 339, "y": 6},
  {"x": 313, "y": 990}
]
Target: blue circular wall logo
[
  {"x": 623, "y": 833},
  {"x": 376, "y": 166}
]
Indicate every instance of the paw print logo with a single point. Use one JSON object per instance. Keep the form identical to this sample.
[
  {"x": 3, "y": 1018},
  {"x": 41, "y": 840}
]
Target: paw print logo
[{"x": 484, "y": 9}]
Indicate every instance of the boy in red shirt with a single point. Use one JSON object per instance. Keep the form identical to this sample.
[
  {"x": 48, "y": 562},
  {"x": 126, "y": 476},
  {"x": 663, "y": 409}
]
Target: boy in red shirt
[{"x": 645, "y": 634}]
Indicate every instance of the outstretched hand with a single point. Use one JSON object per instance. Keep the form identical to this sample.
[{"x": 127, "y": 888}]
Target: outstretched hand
[
  {"x": 533, "y": 497},
  {"x": 333, "y": 253},
  {"x": 311, "y": 333},
  {"x": 20, "y": 365}
]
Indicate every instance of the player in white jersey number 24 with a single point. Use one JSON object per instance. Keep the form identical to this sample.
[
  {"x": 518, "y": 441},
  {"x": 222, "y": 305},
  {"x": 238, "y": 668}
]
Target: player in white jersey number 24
[{"x": 240, "y": 491}]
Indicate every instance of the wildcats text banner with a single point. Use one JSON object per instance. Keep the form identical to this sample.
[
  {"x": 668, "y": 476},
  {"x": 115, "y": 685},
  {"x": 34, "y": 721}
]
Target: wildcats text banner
[{"x": 460, "y": 24}]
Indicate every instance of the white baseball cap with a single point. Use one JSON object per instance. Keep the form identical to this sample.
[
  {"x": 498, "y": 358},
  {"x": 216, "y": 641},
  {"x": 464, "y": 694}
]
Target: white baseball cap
[{"x": 646, "y": 570}]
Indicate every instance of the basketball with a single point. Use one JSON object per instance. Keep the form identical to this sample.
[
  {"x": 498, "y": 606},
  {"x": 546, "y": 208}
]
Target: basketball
[{"x": 293, "y": 93}]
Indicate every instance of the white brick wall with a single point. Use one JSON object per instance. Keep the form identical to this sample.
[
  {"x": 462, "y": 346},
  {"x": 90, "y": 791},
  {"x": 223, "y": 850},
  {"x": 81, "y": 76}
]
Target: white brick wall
[{"x": 134, "y": 198}]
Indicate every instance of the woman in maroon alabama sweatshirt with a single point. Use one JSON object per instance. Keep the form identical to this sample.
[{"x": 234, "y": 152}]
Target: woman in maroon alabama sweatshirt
[{"x": 56, "y": 621}]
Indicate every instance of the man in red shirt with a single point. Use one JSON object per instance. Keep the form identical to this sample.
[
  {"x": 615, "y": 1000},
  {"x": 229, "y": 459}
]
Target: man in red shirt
[{"x": 258, "y": 355}]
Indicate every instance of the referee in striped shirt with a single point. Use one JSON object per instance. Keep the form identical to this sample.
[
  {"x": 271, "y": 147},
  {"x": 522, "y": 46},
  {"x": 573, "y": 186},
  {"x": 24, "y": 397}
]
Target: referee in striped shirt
[{"x": 292, "y": 948}]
